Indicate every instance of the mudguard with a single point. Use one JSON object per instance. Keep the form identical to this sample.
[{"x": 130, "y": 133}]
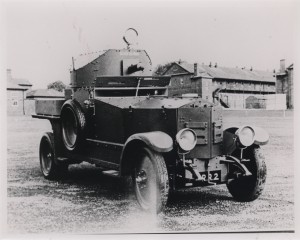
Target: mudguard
[
  {"x": 158, "y": 141},
  {"x": 229, "y": 138},
  {"x": 261, "y": 136}
]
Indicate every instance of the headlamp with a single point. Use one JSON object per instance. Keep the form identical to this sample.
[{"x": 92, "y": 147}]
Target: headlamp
[
  {"x": 187, "y": 139},
  {"x": 245, "y": 136}
]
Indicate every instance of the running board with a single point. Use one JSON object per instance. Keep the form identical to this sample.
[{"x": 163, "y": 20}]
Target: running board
[{"x": 111, "y": 173}]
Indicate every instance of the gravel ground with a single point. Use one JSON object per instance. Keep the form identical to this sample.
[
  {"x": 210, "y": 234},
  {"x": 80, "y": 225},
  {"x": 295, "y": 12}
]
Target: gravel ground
[{"x": 89, "y": 202}]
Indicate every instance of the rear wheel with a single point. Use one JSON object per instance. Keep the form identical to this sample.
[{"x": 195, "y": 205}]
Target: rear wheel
[
  {"x": 151, "y": 181},
  {"x": 249, "y": 188},
  {"x": 49, "y": 167}
]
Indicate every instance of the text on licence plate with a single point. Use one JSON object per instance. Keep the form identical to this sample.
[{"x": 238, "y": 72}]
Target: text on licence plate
[{"x": 213, "y": 176}]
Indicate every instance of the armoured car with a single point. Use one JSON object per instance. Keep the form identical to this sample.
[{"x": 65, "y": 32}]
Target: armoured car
[{"x": 117, "y": 115}]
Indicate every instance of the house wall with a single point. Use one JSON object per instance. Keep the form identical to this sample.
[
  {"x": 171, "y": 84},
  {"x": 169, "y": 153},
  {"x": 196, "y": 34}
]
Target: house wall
[
  {"x": 234, "y": 92},
  {"x": 284, "y": 85},
  {"x": 15, "y": 102},
  {"x": 207, "y": 88},
  {"x": 244, "y": 86},
  {"x": 254, "y": 101},
  {"x": 290, "y": 98},
  {"x": 181, "y": 84}
]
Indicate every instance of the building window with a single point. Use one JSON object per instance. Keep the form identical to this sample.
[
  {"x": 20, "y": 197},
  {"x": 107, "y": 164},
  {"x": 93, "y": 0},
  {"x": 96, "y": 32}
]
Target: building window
[{"x": 181, "y": 81}]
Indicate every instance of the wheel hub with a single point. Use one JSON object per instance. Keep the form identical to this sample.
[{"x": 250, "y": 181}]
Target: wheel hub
[{"x": 141, "y": 179}]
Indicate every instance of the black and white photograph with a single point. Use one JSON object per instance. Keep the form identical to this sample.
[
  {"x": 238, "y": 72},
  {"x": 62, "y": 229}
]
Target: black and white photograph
[{"x": 149, "y": 117}]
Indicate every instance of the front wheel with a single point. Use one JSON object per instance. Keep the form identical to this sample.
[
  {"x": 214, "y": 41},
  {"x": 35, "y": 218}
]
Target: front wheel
[
  {"x": 249, "y": 188},
  {"x": 150, "y": 178},
  {"x": 49, "y": 167}
]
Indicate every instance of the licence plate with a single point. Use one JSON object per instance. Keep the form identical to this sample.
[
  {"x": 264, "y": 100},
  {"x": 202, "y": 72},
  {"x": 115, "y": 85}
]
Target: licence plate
[{"x": 213, "y": 176}]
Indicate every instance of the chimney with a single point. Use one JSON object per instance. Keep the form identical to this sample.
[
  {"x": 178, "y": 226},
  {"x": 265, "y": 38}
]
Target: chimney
[
  {"x": 8, "y": 74},
  {"x": 216, "y": 65},
  {"x": 210, "y": 64},
  {"x": 195, "y": 69},
  {"x": 251, "y": 69},
  {"x": 282, "y": 65}
]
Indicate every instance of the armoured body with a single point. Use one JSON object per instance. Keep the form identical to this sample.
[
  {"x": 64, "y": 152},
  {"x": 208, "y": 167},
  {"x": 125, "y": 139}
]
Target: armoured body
[{"x": 118, "y": 117}]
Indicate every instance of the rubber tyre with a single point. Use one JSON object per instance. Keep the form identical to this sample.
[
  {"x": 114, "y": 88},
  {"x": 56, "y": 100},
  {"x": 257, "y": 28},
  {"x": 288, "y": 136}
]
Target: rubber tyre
[
  {"x": 150, "y": 180},
  {"x": 246, "y": 189},
  {"x": 73, "y": 124},
  {"x": 49, "y": 167}
]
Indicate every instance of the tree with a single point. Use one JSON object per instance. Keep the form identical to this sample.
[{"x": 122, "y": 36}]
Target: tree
[{"x": 57, "y": 85}]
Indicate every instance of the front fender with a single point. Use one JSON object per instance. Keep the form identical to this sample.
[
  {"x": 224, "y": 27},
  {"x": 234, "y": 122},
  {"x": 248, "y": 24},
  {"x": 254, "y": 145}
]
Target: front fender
[
  {"x": 229, "y": 138},
  {"x": 158, "y": 141},
  {"x": 261, "y": 136}
]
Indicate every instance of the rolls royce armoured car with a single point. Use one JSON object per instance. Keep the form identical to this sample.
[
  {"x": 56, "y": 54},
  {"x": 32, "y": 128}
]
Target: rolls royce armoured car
[{"x": 117, "y": 115}]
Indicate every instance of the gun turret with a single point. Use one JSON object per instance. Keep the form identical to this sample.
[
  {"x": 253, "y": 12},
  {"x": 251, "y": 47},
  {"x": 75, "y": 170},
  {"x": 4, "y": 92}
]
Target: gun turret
[{"x": 112, "y": 62}]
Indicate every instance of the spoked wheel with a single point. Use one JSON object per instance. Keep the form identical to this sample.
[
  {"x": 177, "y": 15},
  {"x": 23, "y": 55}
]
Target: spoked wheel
[
  {"x": 46, "y": 158},
  {"x": 151, "y": 181},
  {"x": 49, "y": 167},
  {"x": 249, "y": 188}
]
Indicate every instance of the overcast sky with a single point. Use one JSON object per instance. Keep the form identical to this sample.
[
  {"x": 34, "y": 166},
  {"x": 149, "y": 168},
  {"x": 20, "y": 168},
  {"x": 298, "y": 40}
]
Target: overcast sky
[{"x": 43, "y": 36}]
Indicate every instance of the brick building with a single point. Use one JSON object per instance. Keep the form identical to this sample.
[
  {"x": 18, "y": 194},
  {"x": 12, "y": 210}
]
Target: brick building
[
  {"x": 232, "y": 87},
  {"x": 16, "y": 94},
  {"x": 284, "y": 83}
]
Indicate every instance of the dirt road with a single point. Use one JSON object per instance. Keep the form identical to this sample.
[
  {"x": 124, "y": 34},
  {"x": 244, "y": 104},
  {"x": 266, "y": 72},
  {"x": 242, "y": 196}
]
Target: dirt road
[{"x": 89, "y": 202}]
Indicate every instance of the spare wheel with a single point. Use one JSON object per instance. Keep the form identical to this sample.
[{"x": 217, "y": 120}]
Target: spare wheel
[{"x": 73, "y": 124}]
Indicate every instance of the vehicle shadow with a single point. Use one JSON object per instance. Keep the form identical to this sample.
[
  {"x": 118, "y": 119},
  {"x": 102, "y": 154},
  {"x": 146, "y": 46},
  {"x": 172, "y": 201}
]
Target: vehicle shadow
[
  {"x": 92, "y": 178},
  {"x": 198, "y": 196},
  {"x": 204, "y": 200},
  {"x": 90, "y": 181},
  {"x": 85, "y": 181}
]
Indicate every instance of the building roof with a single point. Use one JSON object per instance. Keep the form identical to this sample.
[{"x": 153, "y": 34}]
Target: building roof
[
  {"x": 13, "y": 86},
  {"x": 44, "y": 93},
  {"x": 21, "y": 81},
  {"x": 17, "y": 83},
  {"x": 229, "y": 73}
]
